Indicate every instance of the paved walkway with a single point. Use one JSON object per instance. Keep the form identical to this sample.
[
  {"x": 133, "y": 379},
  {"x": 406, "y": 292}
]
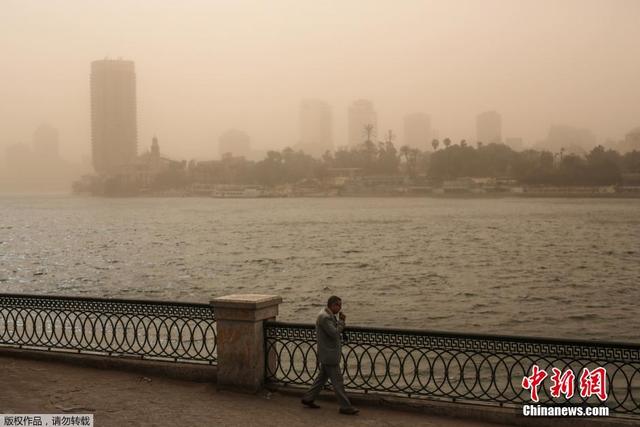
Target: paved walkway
[{"x": 128, "y": 399}]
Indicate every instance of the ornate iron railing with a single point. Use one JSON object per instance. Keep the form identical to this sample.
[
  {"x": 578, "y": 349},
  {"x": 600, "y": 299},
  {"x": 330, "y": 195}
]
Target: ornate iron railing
[
  {"x": 475, "y": 368},
  {"x": 158, "y": 330}
]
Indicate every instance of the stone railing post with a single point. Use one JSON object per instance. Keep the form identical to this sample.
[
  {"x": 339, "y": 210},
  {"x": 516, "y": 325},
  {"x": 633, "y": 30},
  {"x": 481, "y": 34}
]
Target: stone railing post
[{"x": 240, "y": 339}]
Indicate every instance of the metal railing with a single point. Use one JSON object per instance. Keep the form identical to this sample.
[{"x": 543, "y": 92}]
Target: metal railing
[
  {"x": 474, "y": 368},
  {"x": 157, "y": 330}
]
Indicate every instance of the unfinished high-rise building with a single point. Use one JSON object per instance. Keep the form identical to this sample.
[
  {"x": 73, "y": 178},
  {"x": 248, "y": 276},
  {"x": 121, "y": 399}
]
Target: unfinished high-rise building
[
  {"x": 113, "y": 115},
  {"x": 489, "y": 127}
]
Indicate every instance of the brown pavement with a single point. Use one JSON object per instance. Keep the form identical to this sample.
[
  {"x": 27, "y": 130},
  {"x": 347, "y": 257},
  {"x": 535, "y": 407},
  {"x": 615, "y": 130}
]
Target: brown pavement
[{"x": 119, "y": 398}]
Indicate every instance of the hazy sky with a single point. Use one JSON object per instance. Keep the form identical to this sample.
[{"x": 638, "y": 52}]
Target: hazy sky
[{"x": 204, "y": 66}]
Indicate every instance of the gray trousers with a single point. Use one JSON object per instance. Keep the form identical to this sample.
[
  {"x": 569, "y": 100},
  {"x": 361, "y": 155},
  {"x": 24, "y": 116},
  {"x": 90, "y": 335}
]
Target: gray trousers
[{"x": 326, "y": 372}]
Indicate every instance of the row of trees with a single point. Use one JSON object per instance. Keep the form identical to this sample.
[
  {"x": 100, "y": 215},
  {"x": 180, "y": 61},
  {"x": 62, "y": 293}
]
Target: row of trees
[{"x": 598, "y": 167}]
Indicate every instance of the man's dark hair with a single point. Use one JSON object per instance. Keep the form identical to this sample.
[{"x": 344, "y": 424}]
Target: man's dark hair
[{"x": 332, "y": 300}]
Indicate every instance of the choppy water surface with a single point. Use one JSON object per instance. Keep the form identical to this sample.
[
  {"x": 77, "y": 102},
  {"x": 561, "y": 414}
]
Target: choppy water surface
[{"x": 550, "y": 267}]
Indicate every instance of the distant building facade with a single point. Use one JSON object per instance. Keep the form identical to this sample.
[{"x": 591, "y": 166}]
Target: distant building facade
[
  {"x": 316, "y": 127},
  {"x": 37, "y": 167},
  {"x": 149, "y": 171},
  {"x": 114, "y": 131},
  {"x": 234, "y": 142},
  {"x": 417, "y": 130},
  {"x": 361, "y": 115},
  {"x": 568, "y": 140},
  {"x": 489, "y": 127},
  {"x": 151, "y": 163}
]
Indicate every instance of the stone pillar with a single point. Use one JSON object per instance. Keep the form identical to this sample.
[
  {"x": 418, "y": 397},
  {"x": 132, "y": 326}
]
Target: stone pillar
[{"x": 240, "y": 339}]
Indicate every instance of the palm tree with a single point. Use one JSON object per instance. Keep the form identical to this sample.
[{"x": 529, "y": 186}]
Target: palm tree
[
  {"x": 463, "y": 143},
  {"x": 369, "y": 130},
  {"x": 479, "y": 144},
  {"x": 390, "y": 136},
  {"x": 446, "y": 142},
  {"x": 435, "y": 144}
]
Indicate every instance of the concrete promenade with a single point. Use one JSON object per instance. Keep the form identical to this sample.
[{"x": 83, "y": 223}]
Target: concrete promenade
[{"x": 118, "y": 398}]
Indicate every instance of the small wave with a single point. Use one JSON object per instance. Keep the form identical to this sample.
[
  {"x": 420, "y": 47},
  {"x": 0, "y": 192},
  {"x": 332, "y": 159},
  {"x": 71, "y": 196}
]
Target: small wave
[
  {"x": 466, "y": 294},
  {"x": 440, "y": 317},
  {"x": 263, "y": 261},
  {"x": 585, "y": 316}
]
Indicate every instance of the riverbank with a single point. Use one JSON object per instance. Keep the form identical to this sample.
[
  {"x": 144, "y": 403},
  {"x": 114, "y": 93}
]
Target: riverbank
[{"x": 397, "y": 195}]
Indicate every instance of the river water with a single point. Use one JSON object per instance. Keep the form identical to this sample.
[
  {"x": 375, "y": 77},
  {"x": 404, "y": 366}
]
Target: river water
[{"x": 546, "y": 267}]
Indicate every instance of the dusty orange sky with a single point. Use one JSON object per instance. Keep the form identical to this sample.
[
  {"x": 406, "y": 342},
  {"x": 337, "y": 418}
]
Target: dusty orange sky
[{"x": 205, "y": 66}]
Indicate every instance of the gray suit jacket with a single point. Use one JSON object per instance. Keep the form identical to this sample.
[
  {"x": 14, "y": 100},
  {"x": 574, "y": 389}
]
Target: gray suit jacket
[{"x": 328, "y": 330}]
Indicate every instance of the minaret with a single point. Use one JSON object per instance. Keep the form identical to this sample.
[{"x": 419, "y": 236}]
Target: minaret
[
  {"x": 155, "y": 148},
  {"x": 155, "y": 153}
]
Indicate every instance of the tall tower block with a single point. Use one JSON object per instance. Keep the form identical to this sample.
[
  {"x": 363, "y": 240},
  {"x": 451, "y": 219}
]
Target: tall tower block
[{"x": 114, "y": 131}]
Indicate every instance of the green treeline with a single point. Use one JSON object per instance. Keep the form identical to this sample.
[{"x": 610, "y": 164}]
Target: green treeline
[{"x": 598, "y": 167}]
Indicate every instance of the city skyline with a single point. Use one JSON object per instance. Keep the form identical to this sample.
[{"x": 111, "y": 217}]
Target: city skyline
[
  {"x": 203, "y": 76},
  {"x": 417, "y": 129},
  {"x": 486, "y": 123}
]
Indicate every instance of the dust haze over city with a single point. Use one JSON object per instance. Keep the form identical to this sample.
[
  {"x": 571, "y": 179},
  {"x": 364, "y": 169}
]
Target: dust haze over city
[
  {"x": 203, "y": 68},
  {"x": 429, "y": 198},
  {"x": 423, "y": 151}
]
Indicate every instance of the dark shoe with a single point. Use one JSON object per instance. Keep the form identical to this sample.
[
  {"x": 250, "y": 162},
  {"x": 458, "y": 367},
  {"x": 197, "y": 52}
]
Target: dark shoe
[
  {"x": 349, "y": 411},
  {"x": 309, "y": 404}
]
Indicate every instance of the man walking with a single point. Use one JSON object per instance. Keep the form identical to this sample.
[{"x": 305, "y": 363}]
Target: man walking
[{"x": 328, "y": 331}]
